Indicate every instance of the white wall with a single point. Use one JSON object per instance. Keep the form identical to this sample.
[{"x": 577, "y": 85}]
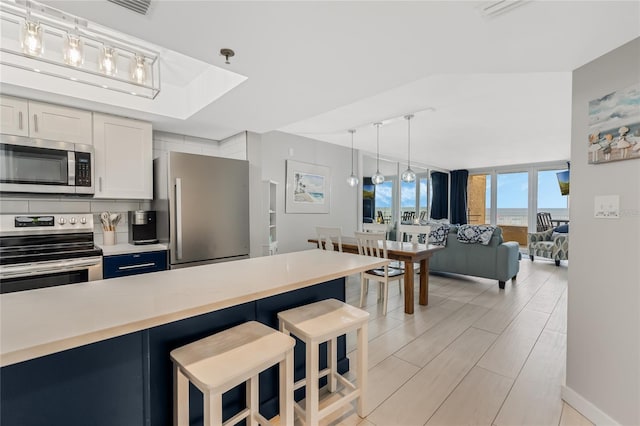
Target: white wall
[
  {"x": 603, "y": 333},
  {"x": 294, "y": 229}
]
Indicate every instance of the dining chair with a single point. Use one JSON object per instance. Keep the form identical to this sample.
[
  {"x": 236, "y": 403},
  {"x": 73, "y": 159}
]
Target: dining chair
[
  {"x": 376, "y": 227},
  {"x": 412, "y": 233},
  {"x": 329, "y": 237},
  {"x": 375, "y": 244},
  {"x": 384, "y": 228}
]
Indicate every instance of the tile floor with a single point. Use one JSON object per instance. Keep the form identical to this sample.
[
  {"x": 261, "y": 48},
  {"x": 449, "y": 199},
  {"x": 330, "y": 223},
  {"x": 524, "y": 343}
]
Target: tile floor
[{"x": 474, "y": 356}]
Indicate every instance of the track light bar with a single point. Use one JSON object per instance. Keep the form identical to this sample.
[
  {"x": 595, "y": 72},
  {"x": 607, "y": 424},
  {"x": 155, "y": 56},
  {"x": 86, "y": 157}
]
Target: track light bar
[{"x": 42, "y": 39}]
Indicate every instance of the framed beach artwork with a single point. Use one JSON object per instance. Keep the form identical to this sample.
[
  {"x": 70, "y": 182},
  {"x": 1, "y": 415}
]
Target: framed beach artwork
[
  {"x": 614, "y": 126},
  {"x": 308, "y": 188}
]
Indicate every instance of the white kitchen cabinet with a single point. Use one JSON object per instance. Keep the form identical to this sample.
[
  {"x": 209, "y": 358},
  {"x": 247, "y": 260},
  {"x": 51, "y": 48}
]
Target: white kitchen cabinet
[
  {"x": 270, "y": 245},
  {"x": 14, "y": 118},
  {"x": 58, "y": 123},
  {"x": 123, "y": 158}
]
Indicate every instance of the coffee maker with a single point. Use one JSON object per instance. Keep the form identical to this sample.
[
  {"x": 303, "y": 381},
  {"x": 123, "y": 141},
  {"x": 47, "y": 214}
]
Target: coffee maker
[{"x": 142, "y": 227}]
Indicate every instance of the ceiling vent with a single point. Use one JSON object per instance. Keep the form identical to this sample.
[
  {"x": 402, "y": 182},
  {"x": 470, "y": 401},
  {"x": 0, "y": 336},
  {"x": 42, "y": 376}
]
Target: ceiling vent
[
  {"x": 494, "y": 8},
  {"x": 139, "y": 6}
]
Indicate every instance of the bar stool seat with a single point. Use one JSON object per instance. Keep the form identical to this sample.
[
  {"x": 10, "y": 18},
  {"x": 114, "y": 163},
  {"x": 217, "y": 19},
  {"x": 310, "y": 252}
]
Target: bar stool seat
[
  {"x": 321, "y": 322},
  {"x": 224, "y": 360}
]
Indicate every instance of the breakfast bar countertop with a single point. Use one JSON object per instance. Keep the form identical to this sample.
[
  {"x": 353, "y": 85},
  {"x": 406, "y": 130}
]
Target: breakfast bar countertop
[{"x": 44, "y": 321}]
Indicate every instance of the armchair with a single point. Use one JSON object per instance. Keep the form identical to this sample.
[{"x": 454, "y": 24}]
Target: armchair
[{"x": 546, "y": 244}]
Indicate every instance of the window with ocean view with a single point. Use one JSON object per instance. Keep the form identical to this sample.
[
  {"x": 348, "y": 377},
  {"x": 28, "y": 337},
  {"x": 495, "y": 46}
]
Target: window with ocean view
[
  {"x": 549, "y": 197},
  {"x": 407, "y": 198},
  {"x": 513, "y": 198},
  {"x": 384, "y": 200}
]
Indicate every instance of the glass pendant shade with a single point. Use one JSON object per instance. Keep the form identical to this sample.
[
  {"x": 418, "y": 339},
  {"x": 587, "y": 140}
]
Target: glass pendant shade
[
  {"x": 108, "y": 60},
  {"x": 31, "y": 39},
  {"x": 352, "y": 180},
  {"x": 408, "y": 175},
  {"x": 138, "y": 69},
  {"x": 378, "y": 178},
  {"x": 73, "y": 50}
]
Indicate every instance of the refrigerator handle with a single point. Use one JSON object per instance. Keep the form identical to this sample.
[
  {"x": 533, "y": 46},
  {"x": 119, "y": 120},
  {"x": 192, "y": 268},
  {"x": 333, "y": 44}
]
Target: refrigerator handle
[{"x": 178, "y": 218}]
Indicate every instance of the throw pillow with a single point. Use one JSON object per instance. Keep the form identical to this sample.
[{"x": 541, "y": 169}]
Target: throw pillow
[
  {"x": 472, "y": 234},
  {"x": 563, "y": 229},
  {"x": 438, "y": 234}
]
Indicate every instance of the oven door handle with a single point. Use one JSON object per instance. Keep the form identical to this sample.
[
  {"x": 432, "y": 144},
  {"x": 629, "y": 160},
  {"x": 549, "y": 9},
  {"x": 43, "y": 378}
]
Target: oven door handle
[{"x": 17, "y": 271}]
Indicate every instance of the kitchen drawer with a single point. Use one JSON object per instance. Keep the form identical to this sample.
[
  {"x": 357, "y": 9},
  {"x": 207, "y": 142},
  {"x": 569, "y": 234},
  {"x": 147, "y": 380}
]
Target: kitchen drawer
[{"x": 135, "y": 263}]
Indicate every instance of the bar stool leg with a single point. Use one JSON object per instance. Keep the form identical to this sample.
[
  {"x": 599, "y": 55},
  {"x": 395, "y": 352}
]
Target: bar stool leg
[
  {"x": 361, "y": 369},
  {"x": 180, "y": 398},
  {"x": 252, "y": 400},
  {"x": 212, "y": 409},
  {"x": 311, "y": 393},
  {"x": 286, "y": 390},
  {"x": 332, "y": 359}
]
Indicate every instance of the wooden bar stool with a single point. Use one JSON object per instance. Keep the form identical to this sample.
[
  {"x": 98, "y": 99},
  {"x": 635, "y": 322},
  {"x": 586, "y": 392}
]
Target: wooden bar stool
[
  {"x": 321, "y": 322},
  {"x": 224, "y": 360}
]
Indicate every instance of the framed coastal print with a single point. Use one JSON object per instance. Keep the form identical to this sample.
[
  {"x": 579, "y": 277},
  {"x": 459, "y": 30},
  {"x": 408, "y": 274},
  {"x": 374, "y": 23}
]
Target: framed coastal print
[
  {"x": 614, "y": 126},
  {"x": 308, "y": 188}
]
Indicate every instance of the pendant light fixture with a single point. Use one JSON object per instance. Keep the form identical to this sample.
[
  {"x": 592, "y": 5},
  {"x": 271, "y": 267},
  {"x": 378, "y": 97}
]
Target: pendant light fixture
[
  {"x": 352, "y": 180},
  {"x": 73, "y": 51},
  {"x": 108, "y": 60},
  {"x": 378, "y": 178},
  {"x": 138, "y": 69},
  {"x": 408, "y": 175},
  {"x": 31, "y": 36}
]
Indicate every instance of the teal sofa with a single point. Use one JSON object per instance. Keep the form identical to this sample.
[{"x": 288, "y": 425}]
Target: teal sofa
[{"x": 497, "y": 260}]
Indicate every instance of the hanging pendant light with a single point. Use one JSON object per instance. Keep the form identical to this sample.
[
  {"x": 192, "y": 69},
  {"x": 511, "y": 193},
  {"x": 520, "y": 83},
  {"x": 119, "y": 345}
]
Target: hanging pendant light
[
  {"x": 352, "y": 180},
  {"x": 31, "y": 39},
  {"x": 138, "y": 69},
  {"x": 108, "y": 60},
  {"x": 378, "y": 178},
  {"x": 408, "y": 175},
  {"x": 73, "y": 51}
]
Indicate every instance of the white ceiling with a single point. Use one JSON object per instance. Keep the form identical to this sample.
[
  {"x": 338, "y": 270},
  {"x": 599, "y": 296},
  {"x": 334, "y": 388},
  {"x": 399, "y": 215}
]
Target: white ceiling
[{"x": 492, "y": 91}]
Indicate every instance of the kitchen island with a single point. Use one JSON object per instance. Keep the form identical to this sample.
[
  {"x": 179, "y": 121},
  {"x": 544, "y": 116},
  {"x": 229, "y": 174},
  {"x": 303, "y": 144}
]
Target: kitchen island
[{"x": 98, "y": 353}]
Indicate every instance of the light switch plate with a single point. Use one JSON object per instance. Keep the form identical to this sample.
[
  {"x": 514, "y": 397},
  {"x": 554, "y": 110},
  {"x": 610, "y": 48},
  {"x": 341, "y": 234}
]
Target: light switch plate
[{"x": 607, "y": 207}]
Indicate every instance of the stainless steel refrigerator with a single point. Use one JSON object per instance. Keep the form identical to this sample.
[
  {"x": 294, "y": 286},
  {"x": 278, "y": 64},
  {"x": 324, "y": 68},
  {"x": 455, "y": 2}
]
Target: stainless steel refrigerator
[{"x": 202, "y": 206}]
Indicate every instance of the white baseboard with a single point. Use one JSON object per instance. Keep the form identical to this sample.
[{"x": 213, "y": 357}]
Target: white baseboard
[{"x": 586, "y": 408}]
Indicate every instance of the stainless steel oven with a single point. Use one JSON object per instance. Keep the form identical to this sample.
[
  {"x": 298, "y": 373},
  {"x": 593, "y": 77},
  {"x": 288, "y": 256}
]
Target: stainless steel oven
[
  {"x": 38, "y": 251},
  {"x": 43, "y": 166}
]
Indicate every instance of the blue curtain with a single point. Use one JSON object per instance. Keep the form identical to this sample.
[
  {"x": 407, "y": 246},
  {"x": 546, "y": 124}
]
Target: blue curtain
[
  {"x": 440, "y": 187},
  {"x": 459, "y": 179}
]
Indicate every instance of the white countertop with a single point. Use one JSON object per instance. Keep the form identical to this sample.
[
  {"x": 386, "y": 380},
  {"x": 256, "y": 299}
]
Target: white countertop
[
  {"x": 44, "y": 321},
  {"x": 126, "y": 248}
]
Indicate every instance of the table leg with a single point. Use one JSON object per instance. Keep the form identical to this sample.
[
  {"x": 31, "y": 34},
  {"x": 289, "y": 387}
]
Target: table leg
[
  {"x": 424, "y": 282},
  {"x": 408, "y": 287}
]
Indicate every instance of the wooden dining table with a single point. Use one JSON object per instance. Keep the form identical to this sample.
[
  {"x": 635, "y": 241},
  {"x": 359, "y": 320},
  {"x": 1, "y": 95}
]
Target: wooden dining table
[{"x": 408, "y": 253}]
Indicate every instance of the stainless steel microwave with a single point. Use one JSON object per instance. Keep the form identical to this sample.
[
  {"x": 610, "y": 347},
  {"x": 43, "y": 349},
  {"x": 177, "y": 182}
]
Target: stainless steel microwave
[{"x": 43, "y": 166}]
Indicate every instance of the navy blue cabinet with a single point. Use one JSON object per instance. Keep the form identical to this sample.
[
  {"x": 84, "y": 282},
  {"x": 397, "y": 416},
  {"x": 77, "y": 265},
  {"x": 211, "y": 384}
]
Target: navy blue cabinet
[{"x": 135, "y": 263}]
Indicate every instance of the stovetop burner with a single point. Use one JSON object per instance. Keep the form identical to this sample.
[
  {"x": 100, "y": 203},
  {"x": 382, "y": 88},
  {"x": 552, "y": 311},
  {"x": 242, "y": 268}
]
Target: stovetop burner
[{"x": 37, "y": 238}]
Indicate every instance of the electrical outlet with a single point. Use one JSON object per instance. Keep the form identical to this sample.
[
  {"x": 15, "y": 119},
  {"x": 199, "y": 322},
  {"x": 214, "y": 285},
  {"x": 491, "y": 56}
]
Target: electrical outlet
[{"x": 607, "y": 207}]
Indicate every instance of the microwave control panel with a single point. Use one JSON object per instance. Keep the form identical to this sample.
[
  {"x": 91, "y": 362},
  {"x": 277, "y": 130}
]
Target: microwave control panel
[{"x": 83, "y": 169}]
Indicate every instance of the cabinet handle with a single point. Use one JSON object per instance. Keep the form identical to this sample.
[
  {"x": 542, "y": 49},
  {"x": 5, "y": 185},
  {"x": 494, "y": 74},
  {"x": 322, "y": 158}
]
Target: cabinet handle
[
  {"x": 35, "y": 122},
  {"x": 178, "y": 218},
  {"x": 20, "y": 120},
  {"x": 100, "y": 184},
  {"x": 141, "y": 265}
]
